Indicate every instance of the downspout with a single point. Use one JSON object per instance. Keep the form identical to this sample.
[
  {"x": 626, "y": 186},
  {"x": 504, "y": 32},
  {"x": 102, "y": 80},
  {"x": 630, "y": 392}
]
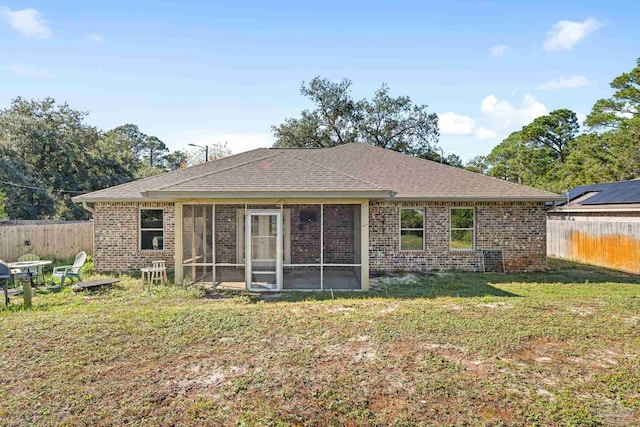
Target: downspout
[{"x": 85, "y": 205}]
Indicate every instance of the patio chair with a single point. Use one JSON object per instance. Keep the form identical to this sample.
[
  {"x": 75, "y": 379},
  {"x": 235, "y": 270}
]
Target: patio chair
[
  {"x": 24, "y": 272},
  {"x": 4, "y": 277},
  {"x": 71, "y": 271},
  {"x": 29, "y": 257},
  {"x": 156, "y": 273}
]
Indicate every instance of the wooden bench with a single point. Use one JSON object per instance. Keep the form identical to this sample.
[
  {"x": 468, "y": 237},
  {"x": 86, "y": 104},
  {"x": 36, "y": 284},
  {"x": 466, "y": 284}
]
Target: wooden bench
[{"x": 93, "y": 284}]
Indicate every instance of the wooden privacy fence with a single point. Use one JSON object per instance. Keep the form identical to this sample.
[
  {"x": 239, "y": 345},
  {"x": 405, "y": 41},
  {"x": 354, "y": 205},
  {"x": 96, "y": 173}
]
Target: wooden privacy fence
[
  {"x": 48, "y": 239},
  {"x": 604, "y": 243}
]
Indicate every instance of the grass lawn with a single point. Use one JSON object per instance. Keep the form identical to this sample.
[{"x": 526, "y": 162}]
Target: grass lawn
[{"x": 557, "y": 348}]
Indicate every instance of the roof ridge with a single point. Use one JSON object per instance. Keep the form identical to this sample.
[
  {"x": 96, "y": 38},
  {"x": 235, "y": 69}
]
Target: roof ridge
[
  {"x": 446, "y": 166},
  {"x": 337, "y": 171},
  {"x": 269, "y": 155}
]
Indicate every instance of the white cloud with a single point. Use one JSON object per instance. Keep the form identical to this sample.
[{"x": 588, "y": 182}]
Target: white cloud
[
  {"x": 23, "y": 70},
  {"x": 505, "y": 115},
  {"x": 499, "y": 50},
  {"x": 565, "y": 34},
  {"x": 455, "y": 124},
  {"x": 564, "y": 83},
  {"x": 29, "y": 22},
  {"x": 95, "y": 37},
  {"x": 484, "y": 133}
]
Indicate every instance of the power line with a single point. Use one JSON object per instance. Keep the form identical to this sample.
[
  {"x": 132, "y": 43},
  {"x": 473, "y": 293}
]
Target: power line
[{"x": 40, "y": 188}]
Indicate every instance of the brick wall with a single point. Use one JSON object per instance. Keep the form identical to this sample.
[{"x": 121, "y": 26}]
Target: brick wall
[
  {"x": 116, "y": 231},
  {"x": 226, "y": 250},
  {"x": 339, "y": 228},
  {"x": 305, "y": 234},
  {"x": 518, "y": 229}
]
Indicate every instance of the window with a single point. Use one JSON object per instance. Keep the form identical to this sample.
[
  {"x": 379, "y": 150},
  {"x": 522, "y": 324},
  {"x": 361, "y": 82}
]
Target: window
[
  {"x": 462, "y": 229},
  {"x": 411, "y": 229},
  {"x": 151, "y": 231}
]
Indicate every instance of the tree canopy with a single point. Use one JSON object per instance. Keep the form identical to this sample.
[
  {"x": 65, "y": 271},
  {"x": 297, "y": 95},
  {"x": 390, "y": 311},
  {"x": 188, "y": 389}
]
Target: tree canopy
[
  {"x": 552, "y": 153},
  {"x": 336, "y": 119},
  {"x": 49, "y": 154},
  {"x": 623, "y": 107}
]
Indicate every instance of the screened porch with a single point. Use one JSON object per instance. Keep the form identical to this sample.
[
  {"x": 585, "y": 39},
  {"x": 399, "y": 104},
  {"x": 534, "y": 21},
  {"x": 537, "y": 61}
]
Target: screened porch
[{"x": 272, "y": 247}]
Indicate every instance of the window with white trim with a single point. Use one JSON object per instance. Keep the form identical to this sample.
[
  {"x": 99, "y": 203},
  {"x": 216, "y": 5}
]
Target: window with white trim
[
  {"x": 463, "y": 222},
  {"x": 411, "y": 229},
  {"x": 151, "y": 229}
]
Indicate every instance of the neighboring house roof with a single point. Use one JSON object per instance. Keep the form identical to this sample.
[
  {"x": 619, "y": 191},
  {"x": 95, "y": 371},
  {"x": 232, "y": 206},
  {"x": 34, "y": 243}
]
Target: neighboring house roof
[
  {"x": 608, "y": 197},
  {"x": 355, "y": 170}
]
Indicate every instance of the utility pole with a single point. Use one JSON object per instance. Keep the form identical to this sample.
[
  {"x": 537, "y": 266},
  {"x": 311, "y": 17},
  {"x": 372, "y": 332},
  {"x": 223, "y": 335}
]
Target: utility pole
[{"x": 206, "y": 151}]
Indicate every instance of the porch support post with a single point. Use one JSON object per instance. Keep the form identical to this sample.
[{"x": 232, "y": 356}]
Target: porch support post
[
  {"x": 213, "y": 244},
  {"x": 177, "y": 268},
  {"x": 322, "y": 246},
  {"x": 364, "y": 242}
]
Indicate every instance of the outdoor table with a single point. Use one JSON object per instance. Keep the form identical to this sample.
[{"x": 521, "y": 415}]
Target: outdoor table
[{"x": 30, "y": 267}]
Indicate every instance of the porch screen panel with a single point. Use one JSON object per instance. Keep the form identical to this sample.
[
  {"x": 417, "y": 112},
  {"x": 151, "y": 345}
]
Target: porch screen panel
[
  {"x": 342, "y": 247},
  {"x": 342, "y": 277},
  {"x": 301, "y": 277},
  {"x": 197, "y": 238},
  {"x": 229, "y": 224},
  {"x": 302, "y": 224},
  {"x": 304, "y": 234},
  {"x": 229, "y": 245},
  {"x": 341, "y": 234},
  {"x": 187, "y": 233},
  {"x": 187, "y": 243}
]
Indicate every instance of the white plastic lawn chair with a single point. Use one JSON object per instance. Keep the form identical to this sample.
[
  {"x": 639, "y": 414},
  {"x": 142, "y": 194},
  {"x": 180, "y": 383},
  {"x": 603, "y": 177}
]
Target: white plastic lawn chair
[
  {"x": 25, "y": 272},
  {"x": 71, "y": 271}
]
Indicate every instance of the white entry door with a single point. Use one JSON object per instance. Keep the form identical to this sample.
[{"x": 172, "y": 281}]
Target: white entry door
[{"x": 263, "y": 246}]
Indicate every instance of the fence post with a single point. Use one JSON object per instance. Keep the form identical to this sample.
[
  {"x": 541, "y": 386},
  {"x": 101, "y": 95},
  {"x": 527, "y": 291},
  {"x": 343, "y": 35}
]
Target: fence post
[{"x": 26, "y": 291}]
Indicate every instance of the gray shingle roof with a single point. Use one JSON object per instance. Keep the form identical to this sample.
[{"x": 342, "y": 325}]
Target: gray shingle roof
[{"x": 355, "y": 168}]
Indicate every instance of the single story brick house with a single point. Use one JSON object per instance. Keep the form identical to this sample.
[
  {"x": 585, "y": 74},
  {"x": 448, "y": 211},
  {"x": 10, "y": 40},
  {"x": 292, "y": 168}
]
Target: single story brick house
[{"x": 317, "y": 219}]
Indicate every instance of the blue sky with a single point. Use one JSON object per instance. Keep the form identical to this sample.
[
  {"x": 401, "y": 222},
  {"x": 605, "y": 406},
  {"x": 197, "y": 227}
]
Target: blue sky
[{"x": 203, "y": 71}]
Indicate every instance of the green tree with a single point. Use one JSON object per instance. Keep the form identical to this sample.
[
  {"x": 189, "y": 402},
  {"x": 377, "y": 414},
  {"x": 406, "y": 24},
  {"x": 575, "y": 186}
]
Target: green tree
[
  {"x": 175, "y": 160},
  {"x": 140, "y": 154},
  {"x": 611, "y": 151},
  {"x": 49, "y": 154},
  {"x": 3, "y": 201},
  {"x": 478, "y": 164},
  {"x": 154, "y": 151},
  {"x": 623, "y": 106},
  {"x": 536, "y": 155},
  {"x": 509, "y": 159},
  {"x": 555, "y": 131},
  {"x": 396, "y": 124},
  {"x": 130, "y": 142},
  {"x": 607, "y": 157},
  {"x": 336, "y": 119},
  {"x": 46, "y": 147},
  {"x": 436, "y": 156}
]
